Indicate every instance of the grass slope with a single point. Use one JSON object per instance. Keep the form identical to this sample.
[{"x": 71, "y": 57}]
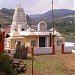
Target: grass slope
[{"x": 51, "y": 65}]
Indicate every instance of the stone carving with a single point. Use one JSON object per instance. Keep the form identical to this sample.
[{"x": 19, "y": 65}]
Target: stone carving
[
  {"x": 42, "y": 26},
  {"x": 21, "y": 51}
]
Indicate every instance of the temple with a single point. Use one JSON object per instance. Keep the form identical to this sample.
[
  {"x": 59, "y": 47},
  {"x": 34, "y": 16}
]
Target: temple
[{"x": 23, "y": 34}]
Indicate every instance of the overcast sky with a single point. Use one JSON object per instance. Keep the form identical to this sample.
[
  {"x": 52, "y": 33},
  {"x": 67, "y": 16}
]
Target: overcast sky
[{"x": 37, "y": 6}]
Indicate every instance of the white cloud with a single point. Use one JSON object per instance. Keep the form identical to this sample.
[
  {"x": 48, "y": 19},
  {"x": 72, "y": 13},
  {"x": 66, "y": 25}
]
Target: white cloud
[
  {"x": 0, "y": 0},
  {"x": 66, "y": 4},
  {"x": 45, "y": 5},
  {"x": 41, "y": 6},
  {"x": 74, "y": 4},
  {"x": 60, "y": 1}
]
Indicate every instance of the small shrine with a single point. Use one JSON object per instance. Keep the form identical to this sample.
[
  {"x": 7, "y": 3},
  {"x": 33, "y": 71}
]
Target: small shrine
[{"x": 21, "y": 52}]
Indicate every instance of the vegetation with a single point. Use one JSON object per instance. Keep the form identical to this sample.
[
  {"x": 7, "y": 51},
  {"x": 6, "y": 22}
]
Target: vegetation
[
  {"x": 70, "y": 38},
  {"x": 63, "y": 25},
  {"x": 5, "y": 67},
  {"x": 63, "y": 19},
  {"x": 29, "y": 20},
  {"x": 58, "y": 64},
  {"x": 6, "y": 16}
]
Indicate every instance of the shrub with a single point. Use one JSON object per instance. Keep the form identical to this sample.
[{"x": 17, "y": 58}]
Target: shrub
[{"x": 5, "y": 67}]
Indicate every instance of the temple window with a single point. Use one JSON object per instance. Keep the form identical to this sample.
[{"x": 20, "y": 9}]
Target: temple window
[{"x": 33, "y": 43}]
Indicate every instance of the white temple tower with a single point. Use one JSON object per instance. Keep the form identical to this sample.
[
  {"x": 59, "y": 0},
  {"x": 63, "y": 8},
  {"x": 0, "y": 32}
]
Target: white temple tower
[{"x": 19, "y": 20}]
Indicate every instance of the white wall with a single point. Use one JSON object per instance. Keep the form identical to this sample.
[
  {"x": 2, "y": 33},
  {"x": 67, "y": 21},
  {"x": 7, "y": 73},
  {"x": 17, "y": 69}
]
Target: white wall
[
  {"x": 68, "y": 49},
  {"x": 43, "y": 50},
  {"x": 6, "y": 43},
  {"x": 12, "y": 51},
  {"x": 58, "y": 41},
  {"x": 69, "y": 44}
]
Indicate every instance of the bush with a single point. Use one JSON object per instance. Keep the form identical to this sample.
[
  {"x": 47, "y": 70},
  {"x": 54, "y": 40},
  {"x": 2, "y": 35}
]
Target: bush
[{"x": 5, "y": 67}]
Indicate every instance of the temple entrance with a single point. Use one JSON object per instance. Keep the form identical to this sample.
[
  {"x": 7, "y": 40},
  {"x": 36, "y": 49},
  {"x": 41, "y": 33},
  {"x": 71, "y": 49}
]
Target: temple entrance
[{"x": 41, "y": 41}]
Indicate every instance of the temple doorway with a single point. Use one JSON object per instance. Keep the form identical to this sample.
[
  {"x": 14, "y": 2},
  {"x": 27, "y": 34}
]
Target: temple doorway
[{"x": 41, "y": 41}]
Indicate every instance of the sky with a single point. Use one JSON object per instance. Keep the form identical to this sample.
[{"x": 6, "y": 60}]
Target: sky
[{"x": 38, "y": 6}]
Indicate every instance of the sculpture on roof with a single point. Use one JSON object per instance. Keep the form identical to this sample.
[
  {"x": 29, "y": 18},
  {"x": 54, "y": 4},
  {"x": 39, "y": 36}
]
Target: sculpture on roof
[{"x": 42, "y": 26}]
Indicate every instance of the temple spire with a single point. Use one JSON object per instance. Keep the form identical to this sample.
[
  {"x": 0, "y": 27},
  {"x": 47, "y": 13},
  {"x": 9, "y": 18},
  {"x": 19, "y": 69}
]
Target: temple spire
[
  {"x": 19, "y": 19},
  {"x": 19, "y": 4}
]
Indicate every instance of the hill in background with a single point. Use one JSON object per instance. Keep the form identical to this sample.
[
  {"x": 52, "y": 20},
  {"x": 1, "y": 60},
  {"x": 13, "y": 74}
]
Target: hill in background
[
  {"x": 6, "y": 16},
  {"x": 63, "y": 19},
  {"x": 57, "y": 13}
]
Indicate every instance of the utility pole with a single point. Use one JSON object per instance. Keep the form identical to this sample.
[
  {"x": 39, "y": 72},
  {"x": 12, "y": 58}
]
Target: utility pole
[
  {"x": 32, "y": 57},
  {"x": 53, "y": 27}
]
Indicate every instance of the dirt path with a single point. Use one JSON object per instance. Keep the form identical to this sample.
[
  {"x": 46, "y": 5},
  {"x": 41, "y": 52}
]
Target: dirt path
[
  {"x": 69, "y": 60},
  {"x": 29, "y": 71}
]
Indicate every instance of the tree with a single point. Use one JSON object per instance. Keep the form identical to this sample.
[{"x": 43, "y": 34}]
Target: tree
[{"x": 29, "y": 21}]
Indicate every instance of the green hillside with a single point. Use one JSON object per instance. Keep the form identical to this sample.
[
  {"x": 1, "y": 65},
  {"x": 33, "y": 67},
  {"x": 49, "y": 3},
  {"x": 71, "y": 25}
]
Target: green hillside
[
  {"x": 6, "y": 16},
  {"x": 63, "y": 19}
]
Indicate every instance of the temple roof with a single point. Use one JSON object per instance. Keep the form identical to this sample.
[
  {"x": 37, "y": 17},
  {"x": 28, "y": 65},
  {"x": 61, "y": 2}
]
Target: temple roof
[
  {"x": 15, "y": 34},
  {"x": 18, "y": 7},
  {"x": 37, "y": 33}
]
